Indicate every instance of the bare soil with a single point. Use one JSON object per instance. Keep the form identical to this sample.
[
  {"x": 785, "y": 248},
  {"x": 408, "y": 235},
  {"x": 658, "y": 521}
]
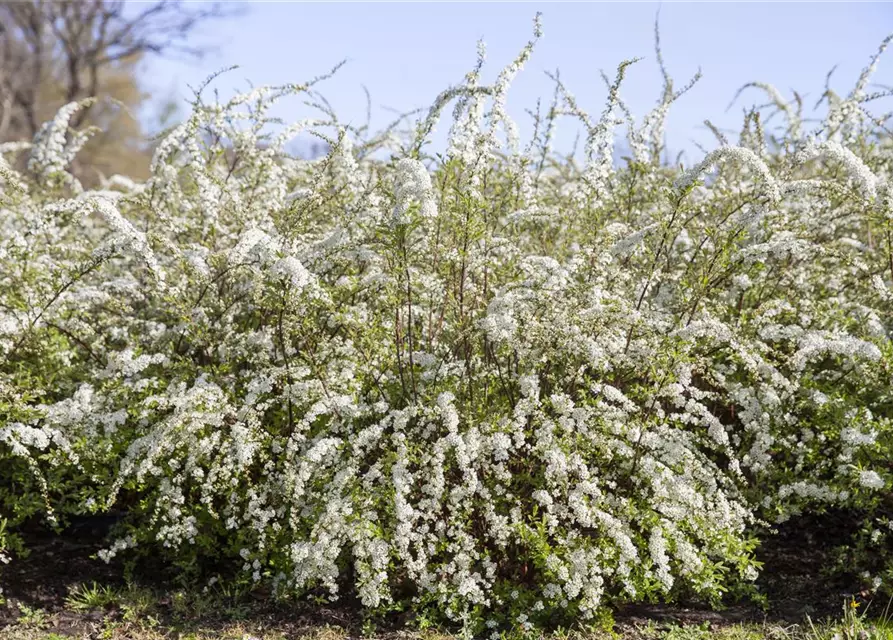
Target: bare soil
[{"x": 794, "y": 579}]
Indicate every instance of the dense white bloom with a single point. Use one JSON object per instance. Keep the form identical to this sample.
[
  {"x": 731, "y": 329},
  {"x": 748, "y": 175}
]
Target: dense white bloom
[
  {"x": 440, "y": 371},
  {"x": 871, "y": 480},
  {"x": 739, "y": 154},
  {"x": 412, "y": 186},
  {"x": 293, "y": 271},
  {"x": 51, "y": 150},
  {"x": 851, "y": 164}
]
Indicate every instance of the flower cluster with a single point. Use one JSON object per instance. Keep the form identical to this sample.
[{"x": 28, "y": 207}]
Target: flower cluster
[{"x": 489, "y": 382}]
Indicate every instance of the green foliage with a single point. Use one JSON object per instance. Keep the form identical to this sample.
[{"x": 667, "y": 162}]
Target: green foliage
[{"x": 491, "y": 387}]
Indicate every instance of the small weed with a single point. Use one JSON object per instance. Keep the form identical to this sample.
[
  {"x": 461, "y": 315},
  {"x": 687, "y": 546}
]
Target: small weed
[
  {"x": 33, "y": 617},
  {"x": 138, "y": 603},
  {"x": 328, "y": 632},
  {"x": 855, "y": 625},
  {"x": 369, "y": 628},
  {"x": 94, "y": 596},
  {"x": 689, "y": 632}
]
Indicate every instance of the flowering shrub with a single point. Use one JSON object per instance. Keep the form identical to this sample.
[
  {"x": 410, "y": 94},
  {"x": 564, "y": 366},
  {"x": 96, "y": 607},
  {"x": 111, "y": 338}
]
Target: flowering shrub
[{"x": 493, "y": 383}]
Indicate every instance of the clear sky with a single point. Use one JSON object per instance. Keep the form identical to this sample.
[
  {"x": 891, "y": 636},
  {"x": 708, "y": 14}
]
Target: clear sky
[{"x": 406, "y": 53}]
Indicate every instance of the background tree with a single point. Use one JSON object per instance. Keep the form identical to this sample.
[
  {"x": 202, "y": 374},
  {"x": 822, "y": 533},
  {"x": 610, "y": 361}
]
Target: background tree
[{"x": 54, "y": 52}]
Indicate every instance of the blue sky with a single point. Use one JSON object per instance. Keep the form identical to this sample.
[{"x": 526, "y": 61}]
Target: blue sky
[{"x": 406, "y": 53}]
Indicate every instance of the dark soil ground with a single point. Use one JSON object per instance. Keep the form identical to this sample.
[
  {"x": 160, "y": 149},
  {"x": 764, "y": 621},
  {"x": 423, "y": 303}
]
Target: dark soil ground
[{"x": 794, "y": 580}]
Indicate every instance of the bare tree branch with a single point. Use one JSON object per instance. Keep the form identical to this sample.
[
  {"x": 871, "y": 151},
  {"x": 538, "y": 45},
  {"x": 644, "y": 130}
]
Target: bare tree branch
[{"x": 75, "y": 43}]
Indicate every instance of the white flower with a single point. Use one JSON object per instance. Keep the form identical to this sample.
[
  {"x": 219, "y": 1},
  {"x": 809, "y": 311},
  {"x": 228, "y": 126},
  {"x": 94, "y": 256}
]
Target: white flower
[
  {"x": 293, "y": 271},
  {"x": 871, "y": 480},
  {"x": 412, "y": 186}
]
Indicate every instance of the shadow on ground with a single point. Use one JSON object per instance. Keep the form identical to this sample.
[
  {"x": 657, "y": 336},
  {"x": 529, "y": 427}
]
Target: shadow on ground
[{"x": 795, "y": 581}]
